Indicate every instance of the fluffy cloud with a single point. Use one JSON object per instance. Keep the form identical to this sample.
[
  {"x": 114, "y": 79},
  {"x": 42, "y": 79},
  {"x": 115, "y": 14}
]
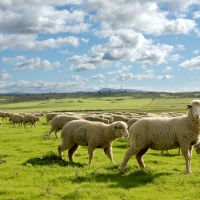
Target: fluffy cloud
[
  {"x": 82, "y": 67},
  {"x": 40, "y": 86},
  {"x": 97, "y": 76},
  {"x": 142, "y": 16},
  {"x": 128, "y": 45},
  {"x": 164, "y": 77},
  {"x": 44, "y": 18},
  {"x": 4, "y": 75},
  {"x": 30, "y": 42},
  {"x": 192, "y": 64},
  {"x": 21, "y": 63}
]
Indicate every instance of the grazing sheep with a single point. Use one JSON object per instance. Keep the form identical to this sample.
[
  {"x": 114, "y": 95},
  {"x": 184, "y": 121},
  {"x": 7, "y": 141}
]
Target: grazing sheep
[
  {"x": 91, "y": 134},
  {"x": 59, "y": 121},
  {"x": 0, "y": 123},
  {"x": 50, "y": 116},
  {"x": 16, "y": 118},
  {"x": 163, "y": 134},
  {"x": 4, "y": 115},
  {"x": 96, "y": 119},
  {"x": 30, "y": 119},
  {"x": 120, "y": 118},
  {"x": 131, "y": 122}
]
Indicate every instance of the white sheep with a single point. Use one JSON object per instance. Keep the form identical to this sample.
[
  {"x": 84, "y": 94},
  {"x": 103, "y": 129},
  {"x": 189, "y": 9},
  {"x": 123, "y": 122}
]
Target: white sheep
[
  {"x": 92, "y": 134},
  {"x": 163, "y": 134},
  {"x": 4, "y": 115},
  {"x": 0, "y": 123},
  {"x": 96, "y": 119},
  {"x": 31, "y": 119},
  {"x": 50, "y": 116},
  {"x": 17, "y": 118},
  {"x": 59, "y": 121}
]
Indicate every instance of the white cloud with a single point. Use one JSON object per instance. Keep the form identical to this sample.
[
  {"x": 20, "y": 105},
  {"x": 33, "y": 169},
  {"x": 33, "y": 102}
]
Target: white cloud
[
  {"x": 78, "y": 78},
  {"x": 196, "y": 15},
  {"x": 192, "y": 64},
  {"x": 97, "y": 76},
  {"x": 82, "y": 67},
  {"x": 21, "y": 63},
  {"x": 164, "y": 77},
  {"x": 4, "y": 75},
  {"x": 43, "y": 18},
  {"x": 167, "y": 69},
  {"x": 30, "y": 42},
  {"x": 148, "y": 74},
  {"x": 40, "y": 86},
  {"x": 142, "y": 16}
]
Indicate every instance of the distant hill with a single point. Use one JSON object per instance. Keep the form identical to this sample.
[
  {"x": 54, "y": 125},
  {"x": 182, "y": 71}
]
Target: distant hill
[{"x": 119, "y": 90}]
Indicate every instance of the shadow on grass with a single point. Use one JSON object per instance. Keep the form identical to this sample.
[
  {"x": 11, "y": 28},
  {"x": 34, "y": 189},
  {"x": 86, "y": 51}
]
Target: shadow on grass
[
  {"x": 50, "y": 158},
  {"x": 116, "y": 179}
]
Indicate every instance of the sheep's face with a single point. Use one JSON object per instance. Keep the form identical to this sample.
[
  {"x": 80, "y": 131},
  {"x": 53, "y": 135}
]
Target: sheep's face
[
  {"x": 194, "y": 107},
  {"x": 120, "y": 129}
]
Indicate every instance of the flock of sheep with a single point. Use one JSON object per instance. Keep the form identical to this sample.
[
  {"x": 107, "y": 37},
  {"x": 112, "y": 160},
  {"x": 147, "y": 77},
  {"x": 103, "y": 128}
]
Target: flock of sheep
[{"x": 144, "y": 131}]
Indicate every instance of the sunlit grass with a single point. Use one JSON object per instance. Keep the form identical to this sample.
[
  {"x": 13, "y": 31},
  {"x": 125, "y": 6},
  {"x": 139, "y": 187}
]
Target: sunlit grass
[{"x": 31, "y": 169}]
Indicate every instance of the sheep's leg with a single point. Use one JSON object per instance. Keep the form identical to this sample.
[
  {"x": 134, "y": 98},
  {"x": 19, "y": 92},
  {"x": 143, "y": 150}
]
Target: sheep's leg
[
  {"x": 55, "y": 132},
  {"x": 130, "y": 152},
  {"x": 50, "y": 133},
  {"x": 187, "y": 155},
  {"x": 91, "y": 150},
  {"x": 71, "y": 152},
  {"x": 108, "y": 152},
  {"x": 139, "y": 157}
]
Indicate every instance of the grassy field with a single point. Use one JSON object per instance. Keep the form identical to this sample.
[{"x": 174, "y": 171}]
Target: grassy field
[
  {"x": 104, "y": 104},
  {"x": 31, "y": 169}
]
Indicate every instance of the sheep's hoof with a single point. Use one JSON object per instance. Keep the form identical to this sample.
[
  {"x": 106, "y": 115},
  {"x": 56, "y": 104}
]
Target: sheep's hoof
[{"x": 119, "y": 168}]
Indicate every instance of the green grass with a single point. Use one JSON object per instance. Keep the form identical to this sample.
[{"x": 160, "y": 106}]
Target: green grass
[
  {"x": 31, "y": 169},
  {"x": 103, "y": 104}
]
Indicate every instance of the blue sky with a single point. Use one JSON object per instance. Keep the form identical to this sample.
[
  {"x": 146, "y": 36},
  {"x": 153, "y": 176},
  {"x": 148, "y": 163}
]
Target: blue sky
[{"x": 78, "y": 45}]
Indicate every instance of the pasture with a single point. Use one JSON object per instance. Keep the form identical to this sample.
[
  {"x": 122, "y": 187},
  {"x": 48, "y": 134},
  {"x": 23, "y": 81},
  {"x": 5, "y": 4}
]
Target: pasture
[{"x": 31, "y": 169}]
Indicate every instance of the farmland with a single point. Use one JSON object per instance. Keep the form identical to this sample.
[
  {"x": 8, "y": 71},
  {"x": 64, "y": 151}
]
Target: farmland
[{"x": 31, "y": 169}]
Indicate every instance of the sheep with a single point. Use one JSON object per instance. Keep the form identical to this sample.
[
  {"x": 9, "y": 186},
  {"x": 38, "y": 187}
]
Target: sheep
[
  {"x": 59, "y": 121},
  {"x": 163, "y": 134},
  {"x": 50, "y": 116},
  {"x": 96, "y": 119},
  {"x": 16, "y": 118},
  {"x": 4, "y": 115},
  {"x": 30, "y": 119},
  {"x": 120, "y": 118},
  {"x": 131, "y": 122},
  {"x": 0, "y": 123},
  {"x": 92, "y": 134}
]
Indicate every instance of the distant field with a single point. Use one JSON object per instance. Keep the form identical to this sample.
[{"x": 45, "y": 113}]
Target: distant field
[{"x": 103, "y": 104}]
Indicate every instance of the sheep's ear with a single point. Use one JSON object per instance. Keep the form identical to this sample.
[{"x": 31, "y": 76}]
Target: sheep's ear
[{"x": 189, "y": 106}]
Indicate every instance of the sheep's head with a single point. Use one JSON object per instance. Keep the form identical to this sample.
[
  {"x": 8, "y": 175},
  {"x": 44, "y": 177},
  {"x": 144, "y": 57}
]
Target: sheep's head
[
  {"x": 120, "y": 129},
  {"x": 194, "y": 109}
]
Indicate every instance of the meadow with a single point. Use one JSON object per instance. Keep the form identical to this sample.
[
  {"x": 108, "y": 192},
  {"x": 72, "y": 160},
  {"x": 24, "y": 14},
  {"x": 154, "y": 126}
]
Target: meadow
[{"x": 31, "y": 169}]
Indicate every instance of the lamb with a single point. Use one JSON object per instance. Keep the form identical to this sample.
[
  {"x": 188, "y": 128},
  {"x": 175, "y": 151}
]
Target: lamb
[
  {"x": 30, "y": 119},
  {"x": 59, "y": 121},
  {"x": 163, "y": 134},
  {"x": 91, "y": 134}
]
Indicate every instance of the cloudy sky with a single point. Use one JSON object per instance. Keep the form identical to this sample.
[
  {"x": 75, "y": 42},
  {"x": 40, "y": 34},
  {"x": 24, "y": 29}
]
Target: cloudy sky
[{"x": 85, "y": 45}]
